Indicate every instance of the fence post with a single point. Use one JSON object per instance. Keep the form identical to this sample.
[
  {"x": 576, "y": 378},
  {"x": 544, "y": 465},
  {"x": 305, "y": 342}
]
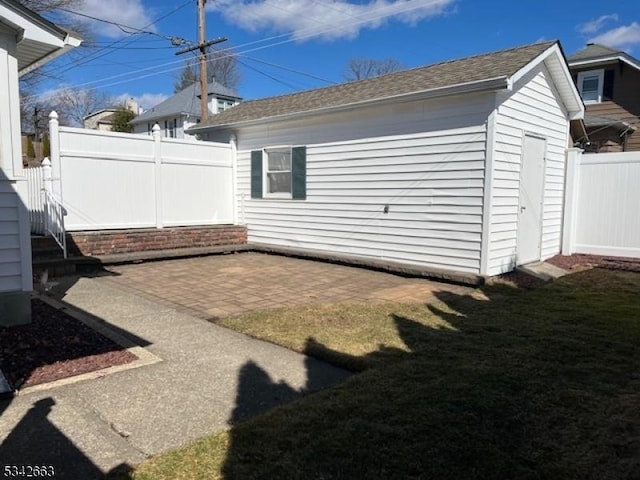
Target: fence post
[
  {"x": 46, "y": 174},
  {"x": 54, "y": 156},
  {"x": 233, "y": 142},
  {"x": 157, "y": 155},
  {"x": 571, "y": 188}
]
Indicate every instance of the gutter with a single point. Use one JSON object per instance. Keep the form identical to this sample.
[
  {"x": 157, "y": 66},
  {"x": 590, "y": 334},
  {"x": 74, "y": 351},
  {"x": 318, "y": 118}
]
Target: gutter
[
  {"x": 68, "y": 43},
  {"x": 486, "y": 85},
  {"x": 604, "y": 60}
]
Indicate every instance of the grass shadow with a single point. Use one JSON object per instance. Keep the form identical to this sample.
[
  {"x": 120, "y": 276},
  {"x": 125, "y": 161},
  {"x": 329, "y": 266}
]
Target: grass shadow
[{"x": 526, "y": 385}]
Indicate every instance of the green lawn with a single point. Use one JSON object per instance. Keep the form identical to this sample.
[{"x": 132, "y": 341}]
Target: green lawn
[{"x": 506, "y": 384}]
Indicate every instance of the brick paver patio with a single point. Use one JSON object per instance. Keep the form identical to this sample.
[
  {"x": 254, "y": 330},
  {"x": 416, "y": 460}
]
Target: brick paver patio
[{"x": 218, "y": 286}]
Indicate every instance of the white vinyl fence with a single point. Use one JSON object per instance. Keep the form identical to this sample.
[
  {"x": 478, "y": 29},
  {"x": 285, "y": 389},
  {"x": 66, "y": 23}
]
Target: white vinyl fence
[
  {"x": 35, "y": 180},
  {"x": 602, "y": 204},
  {"x": 109, "y": 180}
]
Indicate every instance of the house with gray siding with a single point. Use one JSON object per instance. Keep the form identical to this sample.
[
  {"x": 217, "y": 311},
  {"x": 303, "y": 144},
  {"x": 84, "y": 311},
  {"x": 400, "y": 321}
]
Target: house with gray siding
[
  {"x": 181, "y": 111},
  {"x": 27, "y": 41},
  {"x": 457, "y": 166}
]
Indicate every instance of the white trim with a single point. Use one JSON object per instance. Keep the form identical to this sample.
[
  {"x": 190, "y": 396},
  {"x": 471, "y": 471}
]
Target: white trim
[
  {"x": 604, "y": 60},
  {"x": 599, "y": 72},
  {"x": 485, "y": 242},
  {"x": 576, "y": 111},
  {"x": 233, "y": 143},
  {"x": 265, "y": 171}
]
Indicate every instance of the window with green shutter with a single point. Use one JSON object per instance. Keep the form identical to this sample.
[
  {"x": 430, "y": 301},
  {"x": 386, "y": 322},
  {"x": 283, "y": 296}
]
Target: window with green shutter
[{"x": 279, "y": 172}]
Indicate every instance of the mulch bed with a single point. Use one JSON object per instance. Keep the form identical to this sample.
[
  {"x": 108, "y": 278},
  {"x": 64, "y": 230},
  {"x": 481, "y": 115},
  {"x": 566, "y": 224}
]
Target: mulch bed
[
  {"x": 580, "y": 261},
  {"x": 54, "y": 346},
  {"x": 571, "y": 263}
]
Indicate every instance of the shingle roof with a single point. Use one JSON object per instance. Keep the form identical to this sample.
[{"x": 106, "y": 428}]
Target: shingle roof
[
  {"x": 184, "y": 102},
  {"x": 453, "y": 72},
  {"x": 593, "y": 51},
  {"x": 596, "y": 53}
]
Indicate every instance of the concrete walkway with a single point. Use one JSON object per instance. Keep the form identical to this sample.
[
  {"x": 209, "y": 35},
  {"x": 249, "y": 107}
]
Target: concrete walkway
[{"x": 85, "y": 429}]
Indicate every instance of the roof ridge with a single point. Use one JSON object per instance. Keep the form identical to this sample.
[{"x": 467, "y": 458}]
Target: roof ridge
[
  {"x": 400, "y": 72},
  {"x": 501, "y": 64}
]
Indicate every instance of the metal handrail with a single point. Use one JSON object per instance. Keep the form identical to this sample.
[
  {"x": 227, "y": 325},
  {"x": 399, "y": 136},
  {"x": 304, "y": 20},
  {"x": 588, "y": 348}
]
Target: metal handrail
[{"x": 54, "y": 220}]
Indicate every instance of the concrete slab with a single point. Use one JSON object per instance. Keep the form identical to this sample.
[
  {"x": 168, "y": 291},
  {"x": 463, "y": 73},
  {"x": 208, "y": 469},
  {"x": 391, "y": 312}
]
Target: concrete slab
[
  {"x": 542, "y": 270},
  {"x": 209, "y": 378}
]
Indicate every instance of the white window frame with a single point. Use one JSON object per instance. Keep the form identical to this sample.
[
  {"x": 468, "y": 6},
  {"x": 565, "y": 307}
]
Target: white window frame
[
  {"x": 265, "y": 171},
  {"x": 591, "y": 73}
]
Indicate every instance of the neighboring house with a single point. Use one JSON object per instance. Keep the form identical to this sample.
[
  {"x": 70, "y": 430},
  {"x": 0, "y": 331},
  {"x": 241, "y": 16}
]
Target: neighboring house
[
  {"x": 182, "y": 110},
  {"x": 454, "y": 166},
  {"x": 103, "y": 119},
  {"x": 27, "y": 41},
  {"x": 609, "y": 82}
]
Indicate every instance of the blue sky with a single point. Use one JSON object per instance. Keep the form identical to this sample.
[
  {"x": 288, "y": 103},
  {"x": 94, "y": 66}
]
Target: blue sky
[{"x": 291, "y": 45}]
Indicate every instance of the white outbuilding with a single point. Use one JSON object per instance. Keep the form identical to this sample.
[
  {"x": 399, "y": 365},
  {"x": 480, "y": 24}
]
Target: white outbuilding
[{"x": 457, "y": 166}]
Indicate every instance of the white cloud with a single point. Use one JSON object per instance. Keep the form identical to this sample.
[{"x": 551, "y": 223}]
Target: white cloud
[
  {"x": 596, "y": 25},
  {"x": 146, "y": 100},
  {"x": 325, "y": 19},
  {"x": 621, "y": 37},
  {"x": 125, "y": 12}
]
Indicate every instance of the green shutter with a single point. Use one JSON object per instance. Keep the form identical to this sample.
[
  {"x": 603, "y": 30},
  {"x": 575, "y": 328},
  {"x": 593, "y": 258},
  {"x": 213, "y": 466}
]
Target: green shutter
[
  {"x": 299, "y": 173},
  {"x": 256, "y": 174}
]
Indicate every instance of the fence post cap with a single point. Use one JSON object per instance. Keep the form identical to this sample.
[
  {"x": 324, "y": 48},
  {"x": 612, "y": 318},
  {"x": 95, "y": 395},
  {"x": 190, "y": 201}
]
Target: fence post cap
[
  {"x": 155, "y": 128},
  {"x": 46, "y": 162},
  {"x": 53, "y": 115}
]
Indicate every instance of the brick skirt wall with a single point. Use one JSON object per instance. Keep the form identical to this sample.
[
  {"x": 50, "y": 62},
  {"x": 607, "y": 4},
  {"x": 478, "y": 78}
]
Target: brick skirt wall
[{"x": 142, "y": 240}]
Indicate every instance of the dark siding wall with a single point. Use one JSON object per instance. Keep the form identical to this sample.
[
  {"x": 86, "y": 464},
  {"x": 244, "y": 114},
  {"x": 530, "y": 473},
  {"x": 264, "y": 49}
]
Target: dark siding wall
[{"x": 625, "y": 104}]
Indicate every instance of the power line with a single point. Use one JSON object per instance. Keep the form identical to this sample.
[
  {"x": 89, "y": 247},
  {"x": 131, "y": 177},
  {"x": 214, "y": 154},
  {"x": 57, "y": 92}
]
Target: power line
[
  {"x": 312, "y": 33},
  {"x": 87, "y": 57},
  {"x": 121, "y": 26},
  {"x": 288, "y": 69},
  {"x": 269, "y": 76}
]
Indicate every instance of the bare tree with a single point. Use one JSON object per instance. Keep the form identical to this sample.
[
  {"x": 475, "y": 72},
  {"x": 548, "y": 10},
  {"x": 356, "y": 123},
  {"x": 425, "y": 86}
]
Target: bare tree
[
  {"x": 73, "y": 105},
  {"x": 222, "y": 67},
  {"x": 361, "y": 68}
]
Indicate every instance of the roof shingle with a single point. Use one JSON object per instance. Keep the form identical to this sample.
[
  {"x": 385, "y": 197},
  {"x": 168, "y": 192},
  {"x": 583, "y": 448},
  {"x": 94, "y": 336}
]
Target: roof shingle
[
  {"x": 184, "y": 102},
  {"x": 453, "y": 72}
]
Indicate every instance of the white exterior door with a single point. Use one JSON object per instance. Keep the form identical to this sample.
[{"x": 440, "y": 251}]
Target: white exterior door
[{"x": 531, "y": 196}]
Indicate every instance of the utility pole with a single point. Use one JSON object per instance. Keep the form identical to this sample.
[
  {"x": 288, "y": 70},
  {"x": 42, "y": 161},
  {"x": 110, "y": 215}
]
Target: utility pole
[
  {"x": 202, "y": 46},
  {"x": 202, "y": 36}
]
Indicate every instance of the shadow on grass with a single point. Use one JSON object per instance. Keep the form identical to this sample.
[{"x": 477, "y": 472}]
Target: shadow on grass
[{"x": 528, "y": 385}]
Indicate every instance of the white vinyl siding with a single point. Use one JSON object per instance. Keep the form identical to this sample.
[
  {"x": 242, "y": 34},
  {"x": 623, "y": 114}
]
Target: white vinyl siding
[
  {"x": 532, "y": 108},
  {"x": 425, "y": 160},
  {"x": 10, "y": 253}
]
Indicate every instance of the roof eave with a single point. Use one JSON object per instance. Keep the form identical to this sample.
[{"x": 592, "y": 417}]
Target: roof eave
[
  {"x": 69, "y": 43},
  {"x": 152, "y": 118},
  {"x": 571, "y": 98},
  {"x": 479, "y": 86},
  {"x": 605, "y": 60}
]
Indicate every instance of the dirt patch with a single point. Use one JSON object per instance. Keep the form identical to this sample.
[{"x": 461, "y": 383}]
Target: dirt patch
[
  {"x": 54, "y": 346},
  {"x": 518, "y": 280},
  {"x": 581, "y": 261}
]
